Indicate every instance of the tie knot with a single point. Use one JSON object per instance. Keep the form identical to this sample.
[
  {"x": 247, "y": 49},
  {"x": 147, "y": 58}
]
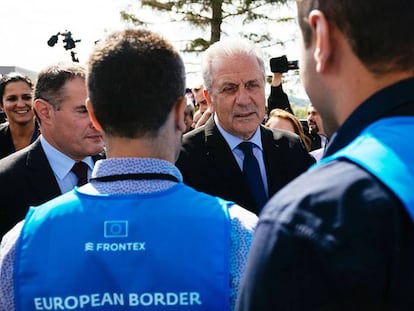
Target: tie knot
[
  {"x": 246, "y": 147},
  {"x": 80, "y": 169}
]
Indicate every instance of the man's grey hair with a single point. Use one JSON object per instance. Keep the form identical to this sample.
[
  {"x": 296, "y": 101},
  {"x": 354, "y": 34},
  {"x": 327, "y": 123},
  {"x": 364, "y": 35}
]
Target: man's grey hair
[{"x": 225, "y": 48}]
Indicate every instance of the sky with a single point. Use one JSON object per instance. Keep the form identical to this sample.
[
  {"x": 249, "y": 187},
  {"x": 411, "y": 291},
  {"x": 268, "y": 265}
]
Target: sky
[{"x": 27, "y": 25}]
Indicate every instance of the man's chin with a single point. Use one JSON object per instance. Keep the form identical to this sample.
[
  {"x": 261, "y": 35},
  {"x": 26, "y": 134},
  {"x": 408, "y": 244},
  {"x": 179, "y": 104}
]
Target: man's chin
[{"x": 97, "y": 149}]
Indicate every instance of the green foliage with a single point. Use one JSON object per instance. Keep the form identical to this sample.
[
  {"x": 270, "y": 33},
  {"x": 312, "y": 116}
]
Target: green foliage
[
  {"x": 160, "y": 5},
  {"x": 129, "y": 18},
  {"x": 300, "y": 111},
  {"x": 209, "y": 14},
  {"x": 198, "y": 44}
]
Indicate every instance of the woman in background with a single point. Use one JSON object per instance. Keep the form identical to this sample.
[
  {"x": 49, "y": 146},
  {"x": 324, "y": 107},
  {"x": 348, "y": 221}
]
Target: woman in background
[
  {"x": 282, "y": 119},
  {"x": 20, "y": 128}
]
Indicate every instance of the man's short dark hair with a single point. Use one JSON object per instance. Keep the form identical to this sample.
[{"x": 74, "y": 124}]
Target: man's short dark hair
[
  {"x": 135, "y": 78},
  {"x": 379, "y": 32},
  {"x": 50, "y": 81}
]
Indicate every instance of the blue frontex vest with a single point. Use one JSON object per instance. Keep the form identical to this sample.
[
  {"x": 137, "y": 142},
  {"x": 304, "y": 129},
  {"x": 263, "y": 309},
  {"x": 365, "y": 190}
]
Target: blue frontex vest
[
  {"x": 162, "y": 251},
  {"x": 385, "y": 149}
]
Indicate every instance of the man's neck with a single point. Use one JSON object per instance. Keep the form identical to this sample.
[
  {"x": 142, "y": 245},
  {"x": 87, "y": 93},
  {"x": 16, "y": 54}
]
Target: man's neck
[{"x": 117, "y": 147}]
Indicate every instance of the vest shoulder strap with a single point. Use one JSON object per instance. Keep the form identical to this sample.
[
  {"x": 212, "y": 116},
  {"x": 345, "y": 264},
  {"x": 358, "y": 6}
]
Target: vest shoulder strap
[{"x": 385, "y": 150}]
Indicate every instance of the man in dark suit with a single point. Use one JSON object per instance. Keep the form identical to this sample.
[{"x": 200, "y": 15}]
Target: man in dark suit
[
  {"x": 43, "y": 170},
  {"x": 316, "y": 131},
  {"x": 211, "y": 159}
]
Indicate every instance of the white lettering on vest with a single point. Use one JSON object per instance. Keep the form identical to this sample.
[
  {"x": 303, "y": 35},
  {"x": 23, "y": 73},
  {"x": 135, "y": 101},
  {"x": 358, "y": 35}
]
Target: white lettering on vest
[
  {"x": 71, "y": 303},
  {"x": 164, "y": 299},
  {"x": 117, "y": 299},
  {"x": 195, "y": 298},
  {"x": 159, "y": 299},
  {"x": 78, "y": 302},
  {"x": 116, "y": 247},
  {"x": 57, "y": 302},
  {"x": 172, "y": 299}
]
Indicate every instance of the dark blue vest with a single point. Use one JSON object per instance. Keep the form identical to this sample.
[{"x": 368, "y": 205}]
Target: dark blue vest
[
  {"x": 386, "y": 150},
  {"x": 161, "y": 251}
]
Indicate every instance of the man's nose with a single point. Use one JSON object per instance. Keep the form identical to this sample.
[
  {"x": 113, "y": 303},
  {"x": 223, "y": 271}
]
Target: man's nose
[{"x": 243, "y": 96}]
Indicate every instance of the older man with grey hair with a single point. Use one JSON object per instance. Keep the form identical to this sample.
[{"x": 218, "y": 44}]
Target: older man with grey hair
[{"x": 233, "y": 156}]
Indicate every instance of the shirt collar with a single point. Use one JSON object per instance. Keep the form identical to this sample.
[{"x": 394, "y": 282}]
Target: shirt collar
[
  {"x": 119, "y": 166},
  {"x": 61, "y": 164},
  {"x": 234, "y": 141}
]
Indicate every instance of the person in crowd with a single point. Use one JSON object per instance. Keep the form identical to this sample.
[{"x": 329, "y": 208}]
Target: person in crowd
[
  {"x": 204, "y": 117},
  {"x": 20, "y": 128},
  {"x": 318, "y": 137},
  {"x": 282, "y": 119},
  {"x": 143, "y": 237},
  {"x": 277, "y": 98},
  {"x": 190, "y": 95},
  {"x": 188, "y": 116},
  {"x": 341, "y": 236},
  {"x": 316, "y": 132},
  {"x": 43, "y": 170},
  {"x": 212, "y": 160},
  {"x": 203, "y": 112}
]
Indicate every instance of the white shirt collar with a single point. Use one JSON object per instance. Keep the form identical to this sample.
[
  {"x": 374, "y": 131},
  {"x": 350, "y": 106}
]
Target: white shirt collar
[
  {"x": 61, "y": 164},
  {"x": 234, "y": 141}
]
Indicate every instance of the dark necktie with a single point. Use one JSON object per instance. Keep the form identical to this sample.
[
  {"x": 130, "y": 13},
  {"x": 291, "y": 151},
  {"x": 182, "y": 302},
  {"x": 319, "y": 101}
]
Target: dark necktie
[
  {"x": 81, "y": 171},
  {"x": 251, "y": 172}
]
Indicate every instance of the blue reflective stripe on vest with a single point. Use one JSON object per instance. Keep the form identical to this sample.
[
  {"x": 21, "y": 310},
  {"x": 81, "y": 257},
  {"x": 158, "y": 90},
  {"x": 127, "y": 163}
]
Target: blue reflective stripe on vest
[
  {"x": 386, "y": 150},
  {"x": 161, "y": 251}
]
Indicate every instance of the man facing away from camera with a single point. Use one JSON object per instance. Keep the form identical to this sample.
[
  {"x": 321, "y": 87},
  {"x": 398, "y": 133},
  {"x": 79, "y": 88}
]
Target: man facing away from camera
[
  {"x": 341, "y": 236},
  {"x": 135, "y": 236}
]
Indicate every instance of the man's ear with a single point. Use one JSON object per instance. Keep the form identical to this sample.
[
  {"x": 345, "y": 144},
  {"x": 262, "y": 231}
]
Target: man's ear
[
  {"x": 179, "y": 109},
  {"x": 208, "y": 99},
  {"x": 92, "y": 116},
  {"x": 321, "y": 32},
  {"x": 207, "y": 96},
  {"x": 43, "y": 110}
]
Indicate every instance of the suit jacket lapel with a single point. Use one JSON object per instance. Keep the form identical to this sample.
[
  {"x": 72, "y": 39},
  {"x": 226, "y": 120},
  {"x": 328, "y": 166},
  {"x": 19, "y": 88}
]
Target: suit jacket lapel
[
  {"x": 40, "y": 174},
  {"x": 218, "y": 151},
  {"x": 272, "y": 160},
  {"x": 221, "y": 157}
]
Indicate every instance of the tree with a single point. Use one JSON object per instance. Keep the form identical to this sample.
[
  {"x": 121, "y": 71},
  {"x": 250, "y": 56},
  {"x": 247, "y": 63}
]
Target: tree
[
  {"x": 252, "y": 19},
  {"x": 204, "y": 14}
]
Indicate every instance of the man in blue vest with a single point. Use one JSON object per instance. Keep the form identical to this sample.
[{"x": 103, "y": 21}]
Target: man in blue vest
[
  {"x": 135, "y": 236},
  {"x": 341, "y": 236}
]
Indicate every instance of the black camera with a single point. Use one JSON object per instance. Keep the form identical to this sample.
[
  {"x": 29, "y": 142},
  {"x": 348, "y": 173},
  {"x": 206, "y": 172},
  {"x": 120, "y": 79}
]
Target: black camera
[{"x": 281, "y": 64}]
